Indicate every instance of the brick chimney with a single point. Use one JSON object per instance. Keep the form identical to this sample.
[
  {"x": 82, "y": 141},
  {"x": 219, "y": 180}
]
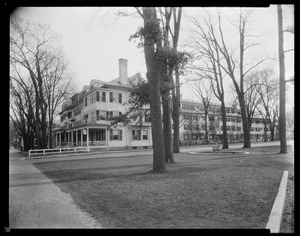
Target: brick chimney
[{"x": 123, "y": 78}]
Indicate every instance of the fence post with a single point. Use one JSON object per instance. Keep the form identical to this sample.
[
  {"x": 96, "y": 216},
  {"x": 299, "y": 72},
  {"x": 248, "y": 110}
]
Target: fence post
[
  {"x": 43, "y": 152},
  {"x": 75, "y": 150},
  {"x": 60, "y": 151},
  {"x": 29, "y": 153}
]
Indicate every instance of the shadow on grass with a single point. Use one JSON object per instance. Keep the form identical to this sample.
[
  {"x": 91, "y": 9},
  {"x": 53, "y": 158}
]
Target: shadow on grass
[{"x": 115, "y": 175}]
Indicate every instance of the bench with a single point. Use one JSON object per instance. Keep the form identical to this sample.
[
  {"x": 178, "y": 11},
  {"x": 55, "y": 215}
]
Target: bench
[{"x": 216, "y": 148}]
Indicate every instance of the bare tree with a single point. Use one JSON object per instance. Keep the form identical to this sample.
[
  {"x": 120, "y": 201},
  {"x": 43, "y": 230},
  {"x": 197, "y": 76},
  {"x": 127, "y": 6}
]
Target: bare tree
[
  {"x": 206, "y": 52},
  {"x": 33, "y": 52},
  {"x": 232, "y": 64},
  {"x": 22, "y": 112},
  {"x": 57, "y": 87},
  {"x": 268, "y": 90},
  {"x": 203, "y": 90},
  {"x": 253, "y": 94}
]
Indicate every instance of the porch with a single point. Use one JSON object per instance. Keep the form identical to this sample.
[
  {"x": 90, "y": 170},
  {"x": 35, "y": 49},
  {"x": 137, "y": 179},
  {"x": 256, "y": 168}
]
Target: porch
[{"x": 82, "y": 137}]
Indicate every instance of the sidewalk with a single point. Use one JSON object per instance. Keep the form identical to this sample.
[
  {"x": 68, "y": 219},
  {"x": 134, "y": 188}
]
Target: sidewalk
[{"x": 35, "y": 202}]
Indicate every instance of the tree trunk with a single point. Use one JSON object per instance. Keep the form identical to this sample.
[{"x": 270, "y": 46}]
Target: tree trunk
[
  {"x": 167, "y": 130},
  {"x": 50, "y": 134},
  {"x": 176, "y": 96},
  {"x": 265, "y": 131},
  {"x": 167, "y": 122},
  {"x": 246, "y": 129},
  {"x": 225, "y": 138},
  {"x": 272, "y": 138},
  {"x": 282, "y": 124},
  {"x": 205, "y": 126},
  {"x": 159, "y": 160},
  {"x": 175, "y": 116}
]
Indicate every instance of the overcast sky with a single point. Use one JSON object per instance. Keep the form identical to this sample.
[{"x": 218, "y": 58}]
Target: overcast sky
[{"x": 93, "y": 39}]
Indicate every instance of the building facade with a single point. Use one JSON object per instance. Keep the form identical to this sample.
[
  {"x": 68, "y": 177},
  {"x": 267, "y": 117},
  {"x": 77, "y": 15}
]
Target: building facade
[
  {"x": 192, "y": 124},
  {"x": 86, "y": 117}
]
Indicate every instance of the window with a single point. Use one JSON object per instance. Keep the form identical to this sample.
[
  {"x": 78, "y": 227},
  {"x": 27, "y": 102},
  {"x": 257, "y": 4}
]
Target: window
[
  {"x": 136, "y": 134},
  {"x": 115, "y": 134},
  {"x": 147, "y": 118},
  {"x": 98, "y": 96},
  {"x": 210, "y": 118},
  {"x": 186, "y": 127},
  {"x": 103, "y": 97},
  {"x": 194, "y": 117},
  {"x": 238, "y": 120},
  {"x": 101, "y": 115},
  {"x": 232, "y": 119},
  {"x": 239, "y": 128},
  {"x": 69, "y": 114},
  {"x": 145, "y": 134},
  {"x": 186, "y": 117},
  {"x": 85, "y": 101},
  {"x": 233, "y": 128},
  {"x": 85, "y": 118},
  {"x": 109, "y": 115},
  {"x": 93, "y": 97},
  {"x": 120, "y": 97},
  {"x": 111, "y": 97},
  {"x": 228, "y": 119},
  {"x": 93, "y": 116}
]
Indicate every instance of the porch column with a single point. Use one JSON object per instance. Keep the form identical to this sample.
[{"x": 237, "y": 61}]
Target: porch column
[
  {"x": 81, "y": 137},
  {"x": 60, "y": 139},
  {"x": 76, "y": 140},
  {"x": 72, "y": 137},
  {"x": 87, "y": 139},
  {"x": 87, "y": 136}
]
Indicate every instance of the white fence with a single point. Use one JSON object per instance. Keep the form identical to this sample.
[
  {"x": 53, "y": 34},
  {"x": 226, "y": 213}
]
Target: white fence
[{"x": 60, "y": 151}]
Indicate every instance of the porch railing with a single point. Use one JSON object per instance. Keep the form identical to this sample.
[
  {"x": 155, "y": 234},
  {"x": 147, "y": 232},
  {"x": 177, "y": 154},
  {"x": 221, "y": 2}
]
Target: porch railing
[{"x": 80, "y": 144}]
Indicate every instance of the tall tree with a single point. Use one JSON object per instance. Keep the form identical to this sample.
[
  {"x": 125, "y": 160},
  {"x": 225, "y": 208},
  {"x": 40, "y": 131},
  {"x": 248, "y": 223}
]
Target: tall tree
[
  {"x": 152, "y": 38},
  {"x": 244, "y": 68},
  {"x": 22, "y": 112},
  {"x": 282, "y": 124},
  {"x": 57, "y": 87},
  {"x": 176, "y": 90},
  {"x": 205, "y": 49},
  {"x": 268, "y": 90},
  {"x": 33, "y": 52},
  {"x": 166, "y": 71},
  {"x": 203, "y": 90}
]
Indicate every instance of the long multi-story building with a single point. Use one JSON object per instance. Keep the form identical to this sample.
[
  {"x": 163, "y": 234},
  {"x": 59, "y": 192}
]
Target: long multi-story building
[
  {"x": 85, "y": 119},
  {"x": 192, "y": 124}
]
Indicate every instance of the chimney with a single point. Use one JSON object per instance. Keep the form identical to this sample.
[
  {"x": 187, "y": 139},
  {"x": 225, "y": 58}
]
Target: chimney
[{"x": 123, "y": 79}]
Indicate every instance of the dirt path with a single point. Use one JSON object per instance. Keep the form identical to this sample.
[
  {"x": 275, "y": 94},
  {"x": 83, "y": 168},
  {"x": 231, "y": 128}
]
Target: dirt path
[{"x": 35, "y": 202}]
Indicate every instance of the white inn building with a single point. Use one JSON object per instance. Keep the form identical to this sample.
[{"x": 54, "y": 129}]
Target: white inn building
[{"x": 85, "y": 118}]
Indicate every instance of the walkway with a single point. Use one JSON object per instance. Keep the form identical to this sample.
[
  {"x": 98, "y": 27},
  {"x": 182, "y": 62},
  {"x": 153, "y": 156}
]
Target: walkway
[{"x": 35, "y": 202}]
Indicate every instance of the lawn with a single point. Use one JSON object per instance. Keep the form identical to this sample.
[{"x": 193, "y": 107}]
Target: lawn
[{"x": 199, "y": 191}]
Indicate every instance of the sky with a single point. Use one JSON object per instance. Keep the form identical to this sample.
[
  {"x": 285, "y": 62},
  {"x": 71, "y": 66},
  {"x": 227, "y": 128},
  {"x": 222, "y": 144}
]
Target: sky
[{"x": 93, "y": 39}]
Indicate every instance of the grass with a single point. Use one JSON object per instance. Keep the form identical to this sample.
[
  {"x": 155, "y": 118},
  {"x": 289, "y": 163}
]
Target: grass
[{"x": 199, "y": 191}]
